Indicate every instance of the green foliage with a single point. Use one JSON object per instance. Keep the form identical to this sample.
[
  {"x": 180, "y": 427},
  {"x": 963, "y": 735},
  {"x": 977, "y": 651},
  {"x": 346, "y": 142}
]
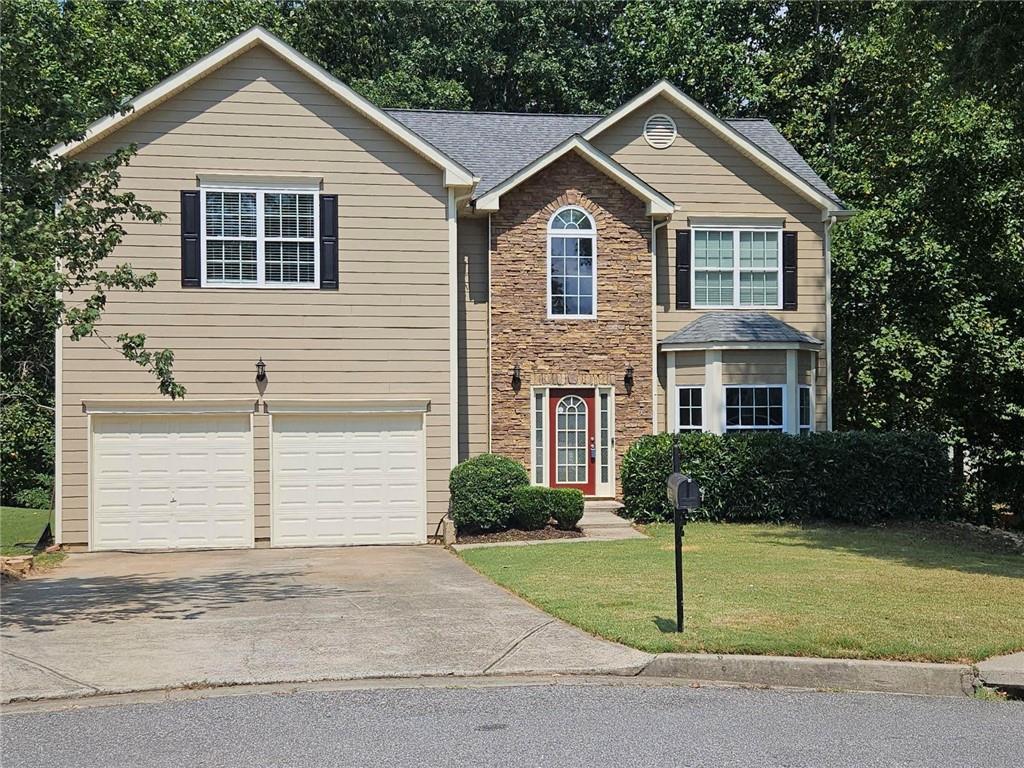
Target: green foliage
[
  {"x": 566, "y": 507},
  {"x": 531, "y": 508},
  {"x": 857, "y": 477},
  {"x": 482, "y": 492},
  {"x": 535, "y": 505}
]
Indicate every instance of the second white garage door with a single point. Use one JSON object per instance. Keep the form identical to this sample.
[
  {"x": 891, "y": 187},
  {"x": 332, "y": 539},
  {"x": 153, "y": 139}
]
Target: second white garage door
[{"x": 348, "y": 479}]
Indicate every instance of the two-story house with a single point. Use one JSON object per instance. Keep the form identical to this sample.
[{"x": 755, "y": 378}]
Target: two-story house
[{"x": 424, "y": 286}]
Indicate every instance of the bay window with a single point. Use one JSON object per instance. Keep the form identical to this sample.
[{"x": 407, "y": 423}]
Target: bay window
[
  {"x": 690, "y": 416},
  {"x": 755, "y": 408}
]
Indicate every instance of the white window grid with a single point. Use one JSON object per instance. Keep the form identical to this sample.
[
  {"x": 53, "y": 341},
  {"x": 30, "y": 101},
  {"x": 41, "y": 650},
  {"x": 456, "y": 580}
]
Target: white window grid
[
  {"x": 690, "y": 401},
  {"x": 736, "y": 271},
  {"x": 781, "y": 388},
  {"x": 588, "y": 234},
  {"x": 571, "y": 426},
  {"x": 260, "y": 238}
]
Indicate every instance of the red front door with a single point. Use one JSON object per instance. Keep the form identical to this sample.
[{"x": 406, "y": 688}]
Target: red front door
[{"x": 573, "y": 450}]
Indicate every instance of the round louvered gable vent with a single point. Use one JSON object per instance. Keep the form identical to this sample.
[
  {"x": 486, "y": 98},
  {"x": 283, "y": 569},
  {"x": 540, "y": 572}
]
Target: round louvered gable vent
[{"x": 660, "y": 131}]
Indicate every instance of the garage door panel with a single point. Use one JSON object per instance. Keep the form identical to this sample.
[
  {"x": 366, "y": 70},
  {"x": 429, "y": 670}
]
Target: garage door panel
[
  {"x": 172, "y": 481},
  {"x": 348, "y": 479}
]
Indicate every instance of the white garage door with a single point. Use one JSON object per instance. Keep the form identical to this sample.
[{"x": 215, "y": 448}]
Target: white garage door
[
  {"x": 171, "y": 481},
  {"x": 348, "y": 479}
]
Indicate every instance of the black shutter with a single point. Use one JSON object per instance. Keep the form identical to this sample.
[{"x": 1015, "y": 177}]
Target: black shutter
[
  {"x": 682, "y": 269},
  {"x": 329, "y": 242},
  {"x": 789, "y": 270},
  {"x": 190, "y": 262}
]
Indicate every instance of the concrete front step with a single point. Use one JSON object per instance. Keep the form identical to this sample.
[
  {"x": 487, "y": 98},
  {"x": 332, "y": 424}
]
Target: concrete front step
[{"x": 601, "y": 514}]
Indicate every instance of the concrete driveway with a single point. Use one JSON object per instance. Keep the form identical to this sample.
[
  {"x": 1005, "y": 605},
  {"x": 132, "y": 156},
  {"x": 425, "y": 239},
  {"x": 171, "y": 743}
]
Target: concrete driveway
[{"x": 105, "y": 623}]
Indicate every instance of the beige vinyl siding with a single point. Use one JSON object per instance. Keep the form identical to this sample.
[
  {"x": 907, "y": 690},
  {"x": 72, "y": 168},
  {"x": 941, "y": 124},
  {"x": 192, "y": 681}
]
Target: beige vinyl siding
[
  {"x": 706, "y": 176},
  {"x": 385, "y": 333},
  {"x": 472, "y": 325},
  {"x": 754, "y": 366}
]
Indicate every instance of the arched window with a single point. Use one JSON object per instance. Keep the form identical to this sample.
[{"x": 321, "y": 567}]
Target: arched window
[{"x": 572, "y": 264}]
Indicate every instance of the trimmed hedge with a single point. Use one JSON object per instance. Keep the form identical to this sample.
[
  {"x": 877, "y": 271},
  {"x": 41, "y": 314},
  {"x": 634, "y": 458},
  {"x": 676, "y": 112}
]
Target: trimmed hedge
[
  {"x": 857, "y": 477},
  {"x": 481, "y": 492},
  {"x": 535, "y": 505}
]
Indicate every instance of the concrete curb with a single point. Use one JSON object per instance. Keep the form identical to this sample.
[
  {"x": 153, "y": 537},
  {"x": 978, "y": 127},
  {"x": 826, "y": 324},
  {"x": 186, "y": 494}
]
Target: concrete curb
[{"x": 829, "y": 674}]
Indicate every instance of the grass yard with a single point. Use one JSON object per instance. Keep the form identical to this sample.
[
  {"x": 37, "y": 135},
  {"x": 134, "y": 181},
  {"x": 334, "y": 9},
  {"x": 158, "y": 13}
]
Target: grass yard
[
  {"x": 828, "y": 591},
  {"x": 20, "y": 529}
]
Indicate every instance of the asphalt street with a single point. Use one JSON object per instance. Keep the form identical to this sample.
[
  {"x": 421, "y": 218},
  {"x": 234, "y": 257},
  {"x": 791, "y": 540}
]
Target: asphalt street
[{"x": 550, "y": 725}]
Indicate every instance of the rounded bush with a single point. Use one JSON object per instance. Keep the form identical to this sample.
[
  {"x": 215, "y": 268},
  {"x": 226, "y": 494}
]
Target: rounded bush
[
  {"x": 481, "y": 492},
  {"x": 566, "y": 507},
  {"x": 531, "y": 507}
]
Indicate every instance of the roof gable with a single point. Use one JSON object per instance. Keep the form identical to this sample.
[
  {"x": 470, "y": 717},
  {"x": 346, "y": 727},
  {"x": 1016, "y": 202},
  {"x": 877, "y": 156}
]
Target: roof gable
[
  {"x": 759, "y": 141},
  {"x": 455, "y": 174},
  {"x": 657, "y": 203}
]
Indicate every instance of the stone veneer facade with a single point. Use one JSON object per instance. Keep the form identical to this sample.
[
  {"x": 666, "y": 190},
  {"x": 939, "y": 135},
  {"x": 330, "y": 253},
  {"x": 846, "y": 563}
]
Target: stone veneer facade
[{"x": 557, "y": 352}]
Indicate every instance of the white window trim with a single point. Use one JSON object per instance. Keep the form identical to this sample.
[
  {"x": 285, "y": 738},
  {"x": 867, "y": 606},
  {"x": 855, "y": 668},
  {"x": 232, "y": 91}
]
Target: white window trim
[
  {"x": 810, "y": 394},
  {"x": 592, "y": 235},
  {"x": 736, "y": 270},
  {"x": 703, "y": 409},
  {"x": 785, "y": 411},
  {"x": 261, "y": 191}
]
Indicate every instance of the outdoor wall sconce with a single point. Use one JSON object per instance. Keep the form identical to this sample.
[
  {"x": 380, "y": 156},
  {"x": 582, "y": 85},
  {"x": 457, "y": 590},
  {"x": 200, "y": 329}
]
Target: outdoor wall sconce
[
  {"x": 517, "y": 378},
  {"x": 628, "y": 379},
  {"x": 261, "y": 377}
]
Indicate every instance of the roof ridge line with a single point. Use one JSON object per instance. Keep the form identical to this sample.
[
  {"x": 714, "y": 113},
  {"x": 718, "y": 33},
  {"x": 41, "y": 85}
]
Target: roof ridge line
[{"x": 490, "y": 112}]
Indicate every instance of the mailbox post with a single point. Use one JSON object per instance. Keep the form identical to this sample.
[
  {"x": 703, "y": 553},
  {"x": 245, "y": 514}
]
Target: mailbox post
[{"x": 684, "y": 496}]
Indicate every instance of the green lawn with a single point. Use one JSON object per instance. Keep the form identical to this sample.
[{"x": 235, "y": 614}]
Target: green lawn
[
  {"x": 764, "y": 589},
  {"x": 20, "y": 529}
]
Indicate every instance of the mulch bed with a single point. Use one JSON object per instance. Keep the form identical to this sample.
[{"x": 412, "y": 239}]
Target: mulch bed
[{"x": 514, "y": 534}]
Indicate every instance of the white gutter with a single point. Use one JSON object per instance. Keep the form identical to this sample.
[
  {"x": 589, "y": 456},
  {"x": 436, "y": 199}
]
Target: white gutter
[
  {"x": 654, "y": 324},
  {"x": 453, "y": 326}
]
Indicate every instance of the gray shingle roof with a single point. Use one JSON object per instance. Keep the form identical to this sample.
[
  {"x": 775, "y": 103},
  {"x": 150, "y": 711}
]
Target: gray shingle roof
[
  {"x": 494, "y": 145},
  {"x": 717, "y": 327}
]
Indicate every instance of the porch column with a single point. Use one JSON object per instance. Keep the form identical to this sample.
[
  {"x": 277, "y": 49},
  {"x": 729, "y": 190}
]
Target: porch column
[
  {"x": 714, "y": 414},
  {"x": 672, "y": 396},
  {"x": 792, "y": 420}
]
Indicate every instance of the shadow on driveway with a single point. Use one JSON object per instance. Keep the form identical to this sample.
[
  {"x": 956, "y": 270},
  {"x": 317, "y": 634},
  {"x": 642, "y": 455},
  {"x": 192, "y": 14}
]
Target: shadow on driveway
[{"x": 41, "y": 605}]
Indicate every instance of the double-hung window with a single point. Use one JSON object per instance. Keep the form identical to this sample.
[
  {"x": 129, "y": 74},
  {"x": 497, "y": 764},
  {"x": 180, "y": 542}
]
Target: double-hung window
[
  {"x": 572, "y": 265},
  {"x": 260, "y": 238},
  {"x": 691, "y": 409},
  {"x": 737, "y": 267},
  {"x": 755, "y": 408}
]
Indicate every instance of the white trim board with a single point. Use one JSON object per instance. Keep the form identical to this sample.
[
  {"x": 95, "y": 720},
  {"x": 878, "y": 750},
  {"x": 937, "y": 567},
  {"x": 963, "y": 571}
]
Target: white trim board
[
  {"x": 657, "y": 203},
  {"x": 723, "y": 130},
  {"x": 347, "y": 406},
  {"x": 167, "y": 406},
  {"x": 455, "y": 174},
  {"x": 739, "y": 345}
]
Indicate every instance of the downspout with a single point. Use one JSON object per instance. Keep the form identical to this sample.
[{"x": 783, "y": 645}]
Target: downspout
[
  {"x": 829, "y": 222},
  {"x": 654, "y": 322},
  {"x": 453, "y": 321}
]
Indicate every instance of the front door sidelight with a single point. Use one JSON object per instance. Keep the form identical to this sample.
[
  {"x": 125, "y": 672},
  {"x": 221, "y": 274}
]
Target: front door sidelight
[{"x": 573, "y": 444}]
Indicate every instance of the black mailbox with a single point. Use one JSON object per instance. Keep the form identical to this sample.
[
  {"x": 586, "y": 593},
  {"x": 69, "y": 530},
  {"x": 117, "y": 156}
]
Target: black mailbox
[{"x": 683, "y": 491}]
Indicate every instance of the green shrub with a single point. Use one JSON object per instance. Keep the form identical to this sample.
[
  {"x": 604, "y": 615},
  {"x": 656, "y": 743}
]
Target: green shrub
[
  {"x": 567, "y": 509},
  {"x": 535, "y": 505},
  {"x": 859, "y": 477},
  {"x": 532, "y": 507},
  {"x": 481, "y": 492}
]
